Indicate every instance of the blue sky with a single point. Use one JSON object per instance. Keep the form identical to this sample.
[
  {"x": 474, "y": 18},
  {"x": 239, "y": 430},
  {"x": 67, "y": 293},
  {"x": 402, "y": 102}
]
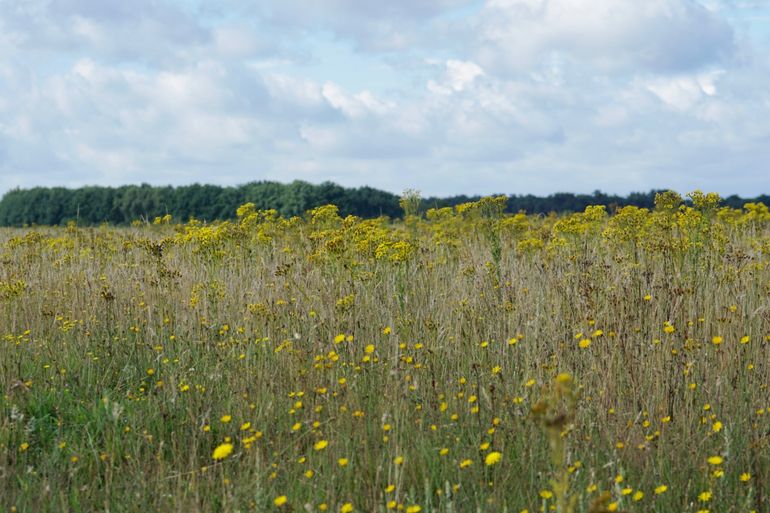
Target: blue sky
[{"x": 445, "y": 96}]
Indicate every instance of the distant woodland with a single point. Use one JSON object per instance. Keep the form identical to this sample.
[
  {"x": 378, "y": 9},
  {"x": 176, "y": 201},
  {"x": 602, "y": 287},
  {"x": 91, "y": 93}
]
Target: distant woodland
[{"x": 122, "y": 205}]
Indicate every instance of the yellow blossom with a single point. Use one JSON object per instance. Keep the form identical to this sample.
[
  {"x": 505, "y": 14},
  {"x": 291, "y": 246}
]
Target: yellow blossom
[
  {"x": 493, "y": 458},
  {"x": 222, "y": 451}
]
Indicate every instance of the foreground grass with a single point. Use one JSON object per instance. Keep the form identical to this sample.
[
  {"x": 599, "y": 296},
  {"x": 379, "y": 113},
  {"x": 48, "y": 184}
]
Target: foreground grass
[{"x": 464, "y": 362}]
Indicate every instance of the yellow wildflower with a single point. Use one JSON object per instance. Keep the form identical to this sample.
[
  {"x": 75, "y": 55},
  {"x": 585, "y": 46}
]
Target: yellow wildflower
[
  {"x": 493, "y": 458},
  {"x": 222, "y": 451}
]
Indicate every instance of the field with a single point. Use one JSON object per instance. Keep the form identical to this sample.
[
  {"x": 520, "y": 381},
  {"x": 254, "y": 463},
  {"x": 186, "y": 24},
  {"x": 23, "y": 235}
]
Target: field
[{"x": 461, "y": 360}]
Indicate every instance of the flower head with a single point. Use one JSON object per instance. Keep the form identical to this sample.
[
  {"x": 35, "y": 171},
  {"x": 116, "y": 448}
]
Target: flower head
[
  {"x": 493, "y": 458},
  {"x": 222, "y": 451}
]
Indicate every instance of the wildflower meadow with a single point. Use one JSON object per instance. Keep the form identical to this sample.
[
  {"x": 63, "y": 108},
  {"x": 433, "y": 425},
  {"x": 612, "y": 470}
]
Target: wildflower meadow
[{"x": 456, "y": 360}]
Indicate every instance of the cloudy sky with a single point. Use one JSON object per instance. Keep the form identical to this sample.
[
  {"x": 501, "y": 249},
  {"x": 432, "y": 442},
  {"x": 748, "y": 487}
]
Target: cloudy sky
[{"x": 445, "y": 96}]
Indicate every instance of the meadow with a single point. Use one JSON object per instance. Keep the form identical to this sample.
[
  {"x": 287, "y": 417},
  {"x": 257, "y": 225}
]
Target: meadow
[{"x": 458, "y": 360}]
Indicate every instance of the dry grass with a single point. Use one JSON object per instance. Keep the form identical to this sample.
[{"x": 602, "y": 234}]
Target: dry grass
[{"x": 124, "y": 349}]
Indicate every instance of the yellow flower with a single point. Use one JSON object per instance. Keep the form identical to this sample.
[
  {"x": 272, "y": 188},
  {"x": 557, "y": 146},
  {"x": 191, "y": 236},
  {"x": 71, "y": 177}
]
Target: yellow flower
[
  {"x": 546, "y": 494},
  {"x": 745, "y": 477},
  {"x": 745, "y": 339},
  {"x": 638, "y": 495},
  {"x": 584, "y": 343},
  {"x": 705, "y": 496},
  {"x": 466, "y": 463},
  {"x": 280, "y": 500},
  {"x": 346, "y": 508},
  {"x": 716, "y": 427},
  {"x": 398, "y": 460},
  {"x": 225, "y": 419},
  {"x": 493, "y": 458},
  {"x": 661, "y": 489},
  {"x": 342, "y": 462},
  {"x": 413, "y": 509},
  {"x": 715, "y": 460},
  {"x": 716, "y": 340},
  {"x": 222, "y": 451},
  {"x": 320, "y": 445}
]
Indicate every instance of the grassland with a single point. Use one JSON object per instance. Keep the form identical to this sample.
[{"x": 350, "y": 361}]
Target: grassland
[{"x": 458, "y": 361}]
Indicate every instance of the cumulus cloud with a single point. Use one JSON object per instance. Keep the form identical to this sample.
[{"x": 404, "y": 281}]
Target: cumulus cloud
[
  {"x": 682, "y": 93},
  {"x": 373, "y": 25},
  {"x": 481, "y": 96},
  {"x": 655, "y": 35}
]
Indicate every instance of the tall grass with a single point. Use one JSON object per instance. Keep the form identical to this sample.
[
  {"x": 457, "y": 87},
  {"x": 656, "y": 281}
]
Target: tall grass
[{"x": 414, "y": 349}]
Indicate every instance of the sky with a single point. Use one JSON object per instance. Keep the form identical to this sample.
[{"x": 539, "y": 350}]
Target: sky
[{"x": 443, "y": 96}]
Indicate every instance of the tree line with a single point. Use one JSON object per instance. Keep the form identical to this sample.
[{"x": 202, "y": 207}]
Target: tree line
[{"x": 122, "y": 205}]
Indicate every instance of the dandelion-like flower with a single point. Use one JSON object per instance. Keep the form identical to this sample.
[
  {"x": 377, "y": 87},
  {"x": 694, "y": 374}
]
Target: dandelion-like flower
[
  {"x": 493, "y": 458},
  {"x": 222, "y": 451}
]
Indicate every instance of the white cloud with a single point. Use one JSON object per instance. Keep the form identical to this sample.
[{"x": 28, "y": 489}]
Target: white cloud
[
  {"x": 656, "y": 35},
  {"x": 683, "y": 92},
  {"x": 353, "y": 106},
  {"x": 459, "y": 75},
  {"x": 514, "y": 96}
]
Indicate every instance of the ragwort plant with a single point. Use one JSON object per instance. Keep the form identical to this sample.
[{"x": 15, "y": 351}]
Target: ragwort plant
[{"x": 329, "y": 363}]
